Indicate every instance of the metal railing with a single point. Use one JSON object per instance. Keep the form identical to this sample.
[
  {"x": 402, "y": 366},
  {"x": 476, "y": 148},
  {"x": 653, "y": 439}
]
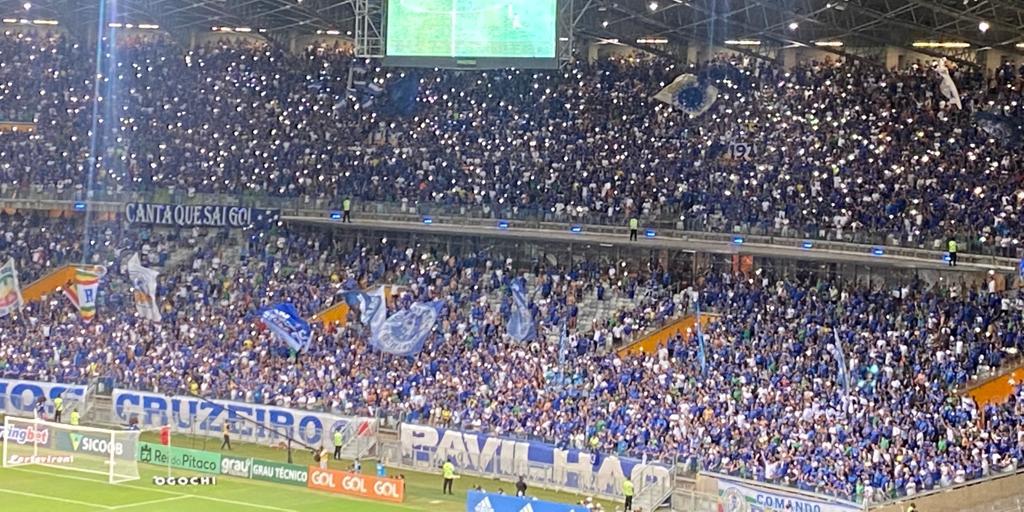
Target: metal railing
[{"x": 700, "y": 228}]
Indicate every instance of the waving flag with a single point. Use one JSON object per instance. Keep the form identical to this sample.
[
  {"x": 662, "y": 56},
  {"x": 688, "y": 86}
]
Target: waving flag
[
  {"x": 404, "y": 333},
  {"x": 82, "y": 290},
  {"x": 1002, "y": 128},
  {"x": 947, "y": 87},
  {"x": 837, "y": 352},
  {"x": 285, "y": 322},
  {"x": 701, "y": 354},
  {"x": 144, "y": 289},
  {"x": 688, "y": 94},
  {"x": 10, "y": 291},
  {"x": 520, "y": 321}
]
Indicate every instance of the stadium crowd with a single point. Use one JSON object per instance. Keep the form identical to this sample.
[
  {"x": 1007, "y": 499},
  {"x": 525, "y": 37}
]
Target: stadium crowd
[
  {"x": 770, "y": 405},
  {"x": 841, "y": 150}
]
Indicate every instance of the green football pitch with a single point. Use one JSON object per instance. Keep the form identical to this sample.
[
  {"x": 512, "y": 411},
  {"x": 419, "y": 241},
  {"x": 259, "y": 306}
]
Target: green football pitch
[{"x": 43, "y": 489}]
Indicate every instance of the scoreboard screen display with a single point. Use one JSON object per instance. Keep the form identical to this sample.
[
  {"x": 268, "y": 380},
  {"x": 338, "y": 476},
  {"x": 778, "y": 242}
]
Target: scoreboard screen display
[{"x": 471, "y": 29}]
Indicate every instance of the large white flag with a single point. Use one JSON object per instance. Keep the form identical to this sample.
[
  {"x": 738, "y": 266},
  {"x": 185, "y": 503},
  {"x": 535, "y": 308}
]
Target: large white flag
[
  {"x": 144, "y": 284},
  {"x": 10, "y": 291},
  {"x": 947, "y": 87}
]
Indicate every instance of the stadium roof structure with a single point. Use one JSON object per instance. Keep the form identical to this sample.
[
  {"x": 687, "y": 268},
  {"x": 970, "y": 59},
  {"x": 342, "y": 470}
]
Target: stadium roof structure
[{"x": 856, "y": 24}]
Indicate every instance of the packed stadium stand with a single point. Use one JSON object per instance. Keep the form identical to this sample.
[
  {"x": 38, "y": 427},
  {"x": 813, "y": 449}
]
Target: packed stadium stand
[{"x": 808, "y": 377}]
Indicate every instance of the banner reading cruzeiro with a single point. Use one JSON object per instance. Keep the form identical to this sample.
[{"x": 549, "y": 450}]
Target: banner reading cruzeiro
[
  {"x": 542, "y": 464},
  {"x": 180, "y": 215},
  {"x": 18, "y": 397},
  {"x": 266, "y": 425}
]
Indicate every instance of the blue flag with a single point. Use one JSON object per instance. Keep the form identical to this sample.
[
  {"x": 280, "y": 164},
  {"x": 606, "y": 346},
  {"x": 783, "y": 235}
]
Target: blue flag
[
  {"x": 285, "y": 322},
  {"x": 405, "y": 332},
  {"x": 372, "y": 309},
  {"x": 701, "y": 355},
  {"x": 840, "y": 357},
  {"x": 520, "y": 321}
]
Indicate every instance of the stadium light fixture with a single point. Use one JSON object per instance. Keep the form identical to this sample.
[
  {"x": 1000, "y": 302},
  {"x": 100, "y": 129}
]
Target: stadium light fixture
[
  {"x": 941, "y": 44},
  {"x": 652, "y": 40},
  {"x": 27, "y": 5},
  {"x": 829, "y": 44},
  {"x": 743, "y": 42},
  {"x": 793, "y": 26},
  {"x": 653, "y": 6},
  {"x": 1019, "y": 45},
  {"x": 149, "y": 26},
  {"x": 604, "y": 24},
  {"x": 45, "y": 22},
  {"x": 983, "y": 27}
]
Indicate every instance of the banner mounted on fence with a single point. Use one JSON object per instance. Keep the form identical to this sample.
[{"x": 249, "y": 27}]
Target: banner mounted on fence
[
  {"x": 181, "y": 458},
  {"x": 482, "y": 501},
  {"x": 542, "y": 464},
  {"x": 357, "y": 484},
  {"x": 187, "y": 216},
  {"x": 742, "y": 495},
  {"x": 206, "y": 417},
  {"x": 18, "y": 397}
]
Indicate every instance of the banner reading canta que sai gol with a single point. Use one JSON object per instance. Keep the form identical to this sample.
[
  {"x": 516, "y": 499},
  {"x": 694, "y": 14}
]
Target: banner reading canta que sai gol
[
  {"x": 180, "y": 215},
  {"x": 745, "y": 496},
  {"x": 356, "y": 484}
]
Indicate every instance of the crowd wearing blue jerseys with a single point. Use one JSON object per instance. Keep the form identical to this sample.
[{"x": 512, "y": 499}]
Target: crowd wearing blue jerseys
[{"x": 843, "y": 151}]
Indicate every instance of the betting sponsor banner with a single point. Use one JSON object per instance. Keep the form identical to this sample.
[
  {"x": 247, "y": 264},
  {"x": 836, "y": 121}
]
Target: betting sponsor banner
[
  {"x": 28, "y": 434},
  {"x": 543, "y": 464},
  {"x": 478, "y": 501},
  {"x": 356, "y": 484},
  {"x": 18, "y": 397},
  {"x": 279, "y": 472},
  {"x": 264, "y": 424},
  {"x": 235, "y": 466},
  {"x": 181, "y": 458},
  {"x": 41, "y": 459},
  {"x": 199, "y": 216},
  {"x": 10, "y": 290},
  {"x": 744, "y": 496}
]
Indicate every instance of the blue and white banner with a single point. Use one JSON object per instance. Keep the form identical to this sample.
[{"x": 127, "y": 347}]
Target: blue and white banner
[
  {"x": 478, "y": 501},
  {"x": 542, "y": 464},
  {"x": 840, "y": 356},
  {"x": 373, "y": 310},
  {"x": 285, "y": 322},
  {"x": 702, "y": 356},
  {"x": 180, "y": 215},
  {"x": 254, "y": 423},
  {"x": 744, "y": 496},
  {"x": 520, "y": 321},
  {"x": 405, "y": 332},
  {"x": 18, "y": 397}
]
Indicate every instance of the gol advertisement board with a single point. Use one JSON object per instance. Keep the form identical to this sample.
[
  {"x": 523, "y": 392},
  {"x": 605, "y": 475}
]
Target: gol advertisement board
[{"x": 355, "y": 484}]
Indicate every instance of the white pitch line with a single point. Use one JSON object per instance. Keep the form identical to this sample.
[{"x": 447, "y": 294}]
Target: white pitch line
[
  {"x": 150, "y": 502},
  {"x": 163, "y": 491},
  {"x": 54, "y": 498}
]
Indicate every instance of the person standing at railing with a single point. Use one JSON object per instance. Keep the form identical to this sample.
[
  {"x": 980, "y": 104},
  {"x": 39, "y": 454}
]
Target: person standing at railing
[
  {"x": 627, "y": 491},
  {"x": 448, "y": 474},
  {"x": 346, "y": 210},
  {"x": 337, "y": 444},
  {"x": 58, "y": 408},
  {"x": 951, "y": 246},
  {"x": 74, "y": 416},
  {"x": 634, "y": 226}
]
